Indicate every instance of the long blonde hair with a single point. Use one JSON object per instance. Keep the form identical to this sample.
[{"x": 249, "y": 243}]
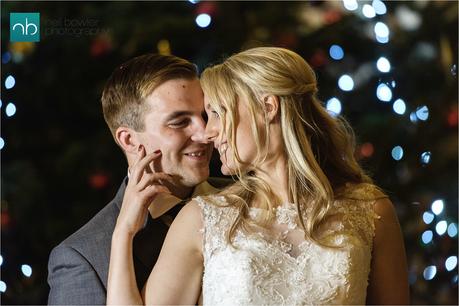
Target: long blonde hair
[{"x": 319, "y": 147}]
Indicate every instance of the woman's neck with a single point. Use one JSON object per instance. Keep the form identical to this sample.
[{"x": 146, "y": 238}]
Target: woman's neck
[{"x": 274, "y": 171}]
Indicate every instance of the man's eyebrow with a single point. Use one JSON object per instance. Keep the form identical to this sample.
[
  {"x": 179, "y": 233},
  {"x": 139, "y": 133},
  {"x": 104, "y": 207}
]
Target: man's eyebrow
[{"x": 177, "y": 114}]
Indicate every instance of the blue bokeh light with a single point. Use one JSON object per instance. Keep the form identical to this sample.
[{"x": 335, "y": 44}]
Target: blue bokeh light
[
  {"x": 381, "y": 29},
  {"x": 336, "y": 52},
  {"x": 383, "y": 92},
  {"x": 379, "y": 7},
  {"x": 334, "y": 106},
  {"x": 399, "y": 106},
  {"x": 428, "y": 217},
  {"x": 425, "y": 157},
  {"x": 397, "y": 153},
  {"x": 203, "y": 20},
  {"x": 10, "y": 109},
  {"x": 437, "y": 207},
  {"x": 441, "y": 227},
  {"x": 10, "y": 82},
  {"x": 350, "y": 5},
  {"x": 451, "y": 263},
  {"x": 452, "y": 230},
  {"x": 368, "y": 11},
  {"x": 26, "y": 270},
  {"x": 422, "y": 113},
  {"x": 6, "y": 57},
  {"x": 430, "y": 272},
  {"x": 383, "y": 64},
  {"x": 381, "y": 32},
  {"x": 427, "y": 237},
  {"x": 346, "y": 83}
]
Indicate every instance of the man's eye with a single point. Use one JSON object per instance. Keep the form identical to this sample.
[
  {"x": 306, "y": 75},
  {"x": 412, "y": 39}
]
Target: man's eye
[{"x": 180, "y": 123}]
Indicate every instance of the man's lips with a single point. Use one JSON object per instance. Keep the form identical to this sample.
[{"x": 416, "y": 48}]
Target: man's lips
[{"x": 197, "y": 153}]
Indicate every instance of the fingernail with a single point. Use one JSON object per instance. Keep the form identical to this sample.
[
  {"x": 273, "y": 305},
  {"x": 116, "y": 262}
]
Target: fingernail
[{"x": 157, "y": 151}]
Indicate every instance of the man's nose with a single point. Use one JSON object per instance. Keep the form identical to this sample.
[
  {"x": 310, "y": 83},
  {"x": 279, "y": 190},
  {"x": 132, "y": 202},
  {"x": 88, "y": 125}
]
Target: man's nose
[{"x": 199, "y": 133}]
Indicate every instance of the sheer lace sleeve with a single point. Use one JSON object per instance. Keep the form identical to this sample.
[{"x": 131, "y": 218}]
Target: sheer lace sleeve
[
  {"x": 357, "y": 210},
  {"x": 217, "y": 218}
]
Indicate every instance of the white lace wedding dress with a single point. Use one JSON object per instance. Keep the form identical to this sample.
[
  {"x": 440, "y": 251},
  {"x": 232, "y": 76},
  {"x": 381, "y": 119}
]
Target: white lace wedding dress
[{"x": 278, "y": 266}]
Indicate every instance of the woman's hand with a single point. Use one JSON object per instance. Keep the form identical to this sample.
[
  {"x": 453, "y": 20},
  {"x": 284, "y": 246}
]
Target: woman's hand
[{"x": 143, "y": 186}]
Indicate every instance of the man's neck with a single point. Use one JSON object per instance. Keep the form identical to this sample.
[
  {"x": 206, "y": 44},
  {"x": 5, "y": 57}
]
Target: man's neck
[{"x": 181, "y": 192}]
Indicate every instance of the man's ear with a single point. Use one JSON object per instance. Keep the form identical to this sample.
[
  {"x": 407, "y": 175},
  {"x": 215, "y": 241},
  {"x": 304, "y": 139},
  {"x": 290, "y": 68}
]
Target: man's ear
[
  {"x": 127, "y": 139},
  {"x": 271, "y": 107}
]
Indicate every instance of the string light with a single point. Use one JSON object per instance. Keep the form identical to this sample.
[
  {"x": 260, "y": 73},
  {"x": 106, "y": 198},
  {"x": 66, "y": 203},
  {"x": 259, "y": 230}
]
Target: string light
[
  {"x": 10, "y": 109},
  {"x": 203, "y": 20},
  {"x": 368, "y": 11},
  {"x": 379, "y": 7},
  {"x": 334, "y": 106},
  {"x": 428, "y": 217},
  {"x": 452, "y": 230},
  {"x": 437, "y": 207},
  {"x": 9, "y": 82},
  {"x": 422, "y": 113},
  {"x": 26, "y": 270},
  {"x": 383, "y": 64},
  {"x": 346, "y": 83},
  {"x": 336, "y": 52},
  {"x": 383, "y": 92},
  {"x": 350, "y": 5},
  {"x": 399, "y": 106},
  {"x": 430, "y": 272},
  {"x": 425, "y": 157},
  {"x": 441, "y": 227},
  {"x": 451, "y": 263},
  {"x": 427, "y": 237},
  {"x": 397, "y": 153}
]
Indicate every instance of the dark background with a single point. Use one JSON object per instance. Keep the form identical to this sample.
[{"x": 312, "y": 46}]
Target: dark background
[{"x": 59, "y": 164}]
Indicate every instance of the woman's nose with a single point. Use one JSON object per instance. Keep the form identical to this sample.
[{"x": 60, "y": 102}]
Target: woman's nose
[{"x": 212, "y": 130}]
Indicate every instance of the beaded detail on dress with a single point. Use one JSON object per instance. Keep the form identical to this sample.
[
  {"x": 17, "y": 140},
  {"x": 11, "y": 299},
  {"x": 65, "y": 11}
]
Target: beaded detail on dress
[{"x": 277, "y": 266}]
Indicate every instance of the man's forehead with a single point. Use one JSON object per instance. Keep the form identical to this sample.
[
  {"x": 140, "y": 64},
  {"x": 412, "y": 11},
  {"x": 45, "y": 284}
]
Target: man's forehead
[{"x": 174, "y": 108}]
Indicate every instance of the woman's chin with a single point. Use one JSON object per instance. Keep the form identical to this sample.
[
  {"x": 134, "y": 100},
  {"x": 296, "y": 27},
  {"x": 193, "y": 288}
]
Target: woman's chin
[{"x": 227, "y": 171}]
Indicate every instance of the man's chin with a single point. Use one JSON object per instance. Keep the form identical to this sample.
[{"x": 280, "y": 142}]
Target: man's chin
[{"x": 195, "y": 178}]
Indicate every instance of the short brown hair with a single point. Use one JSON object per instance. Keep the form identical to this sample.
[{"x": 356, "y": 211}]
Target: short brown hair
[{"x": 125, "y": 91}]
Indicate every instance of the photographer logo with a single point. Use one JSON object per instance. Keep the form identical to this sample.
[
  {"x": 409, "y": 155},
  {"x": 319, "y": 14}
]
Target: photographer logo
[{"x": 25, "y": 27}]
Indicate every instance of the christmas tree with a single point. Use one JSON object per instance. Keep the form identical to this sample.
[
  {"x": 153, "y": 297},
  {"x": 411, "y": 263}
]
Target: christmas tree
[{"x": 390, "y": 68}]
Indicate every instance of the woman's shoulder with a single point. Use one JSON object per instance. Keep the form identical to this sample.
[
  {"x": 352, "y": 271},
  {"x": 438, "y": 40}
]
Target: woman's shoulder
[
  {"x": 360, "y": 192},
  {"x": 213, "y": 207}
]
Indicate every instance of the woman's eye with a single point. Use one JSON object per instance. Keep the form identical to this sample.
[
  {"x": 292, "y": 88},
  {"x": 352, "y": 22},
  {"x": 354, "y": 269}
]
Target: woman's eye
[{"x": 215, "y": 114}]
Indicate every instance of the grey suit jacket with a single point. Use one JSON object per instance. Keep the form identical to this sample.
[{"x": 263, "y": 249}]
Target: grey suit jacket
[{"x": 78, "y": 267}]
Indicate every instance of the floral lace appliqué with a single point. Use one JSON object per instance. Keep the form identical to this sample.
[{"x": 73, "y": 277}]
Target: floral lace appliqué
[{"x": 280, "y": 267}]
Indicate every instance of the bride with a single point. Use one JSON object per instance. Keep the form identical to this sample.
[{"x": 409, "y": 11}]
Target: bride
[{"x": 302, "y": 225}]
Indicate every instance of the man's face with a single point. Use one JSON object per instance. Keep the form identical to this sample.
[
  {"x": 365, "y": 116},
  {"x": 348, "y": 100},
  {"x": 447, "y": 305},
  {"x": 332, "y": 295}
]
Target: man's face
[{"x": 175, "y": 125}]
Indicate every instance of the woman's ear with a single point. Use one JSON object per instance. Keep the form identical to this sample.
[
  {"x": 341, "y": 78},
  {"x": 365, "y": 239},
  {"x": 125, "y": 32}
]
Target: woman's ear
[
  {"x": 271, "y": 107},
  {"x": 127, "y": 139}
]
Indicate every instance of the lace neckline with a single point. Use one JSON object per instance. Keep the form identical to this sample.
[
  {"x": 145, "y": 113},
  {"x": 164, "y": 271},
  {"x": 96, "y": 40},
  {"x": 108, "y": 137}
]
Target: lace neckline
[{"x": 285, "y": 214}]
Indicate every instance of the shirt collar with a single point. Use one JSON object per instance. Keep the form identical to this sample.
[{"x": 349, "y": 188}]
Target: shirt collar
[{"x": 164, "y": 202}]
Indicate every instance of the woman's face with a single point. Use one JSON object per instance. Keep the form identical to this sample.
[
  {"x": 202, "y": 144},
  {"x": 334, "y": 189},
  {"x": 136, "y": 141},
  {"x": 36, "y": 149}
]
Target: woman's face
[{"x": 245, "y": 143}]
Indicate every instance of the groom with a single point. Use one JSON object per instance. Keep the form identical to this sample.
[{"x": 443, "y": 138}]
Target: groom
[{"x": 154, "y": 101}]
